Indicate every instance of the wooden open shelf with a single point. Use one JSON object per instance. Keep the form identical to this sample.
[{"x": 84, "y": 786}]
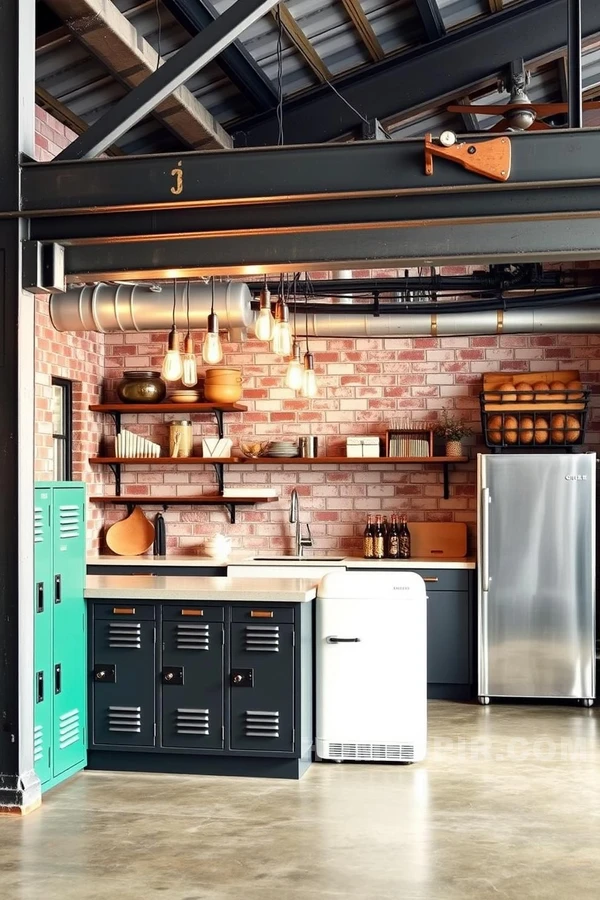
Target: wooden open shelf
[
  {"x": 286, "y": 461},
  {"x": 167, "y": 407},
  {"x": 165, "y": 501}
]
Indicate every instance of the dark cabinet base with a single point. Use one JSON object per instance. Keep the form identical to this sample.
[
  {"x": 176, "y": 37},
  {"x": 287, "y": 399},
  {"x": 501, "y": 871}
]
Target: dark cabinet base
[
  {"x": 459, "y": 692},
  {"x": 180, "y": 764}
]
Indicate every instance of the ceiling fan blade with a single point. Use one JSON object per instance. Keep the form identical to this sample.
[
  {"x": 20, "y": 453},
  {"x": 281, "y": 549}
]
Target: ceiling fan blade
[
  {"x": 493, "y": 110},
  {"x": 538, "y": 125},
  {"x": 500, "y": 126},
  {"x": 550, "y": 109}
]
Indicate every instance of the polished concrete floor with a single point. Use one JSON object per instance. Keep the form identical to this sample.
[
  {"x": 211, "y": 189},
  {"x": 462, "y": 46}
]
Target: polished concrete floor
[{"x": 507, "y": 805}]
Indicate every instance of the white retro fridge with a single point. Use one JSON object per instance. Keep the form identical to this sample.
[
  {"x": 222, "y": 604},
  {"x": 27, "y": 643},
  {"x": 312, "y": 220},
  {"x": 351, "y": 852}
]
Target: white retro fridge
[
  {"x": 371, "y": 666},
  {"x": 536, "y": 576}
]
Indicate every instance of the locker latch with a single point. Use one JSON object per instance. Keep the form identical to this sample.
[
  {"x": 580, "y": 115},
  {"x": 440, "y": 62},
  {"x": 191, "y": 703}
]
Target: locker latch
[
  {"x": 107, "y": 673},
  {"x": 40, "y": 596},
  {"x": 40, "y": 687},
  {"x": 242, "y": 677},
  {"x": 172, "y": 675}
]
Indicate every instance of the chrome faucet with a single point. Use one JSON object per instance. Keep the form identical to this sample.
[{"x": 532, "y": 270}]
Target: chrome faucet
[{"x": 301, "y": 542}]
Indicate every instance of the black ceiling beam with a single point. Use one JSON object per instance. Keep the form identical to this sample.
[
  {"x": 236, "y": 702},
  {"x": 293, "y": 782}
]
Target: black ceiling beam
[
  {"x": 431, "y": 18},
  {"x": 426, "y": 76},
  {"x": 144, "y": 98},
  {"x": 286, "y": 174},
  {"x": 235, "y": 61},
  {"x": 550, "y": 240}
]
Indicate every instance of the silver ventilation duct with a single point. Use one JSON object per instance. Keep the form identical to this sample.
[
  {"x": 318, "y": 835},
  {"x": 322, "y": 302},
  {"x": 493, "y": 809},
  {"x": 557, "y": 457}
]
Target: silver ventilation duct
[
  {"x": 134, "y": 307},
  {"x": 129, "y": 307}
]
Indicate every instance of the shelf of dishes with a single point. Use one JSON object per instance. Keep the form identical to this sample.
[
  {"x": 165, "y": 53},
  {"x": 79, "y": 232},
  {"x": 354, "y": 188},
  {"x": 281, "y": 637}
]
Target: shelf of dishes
[{"x": 259, "y": 460}]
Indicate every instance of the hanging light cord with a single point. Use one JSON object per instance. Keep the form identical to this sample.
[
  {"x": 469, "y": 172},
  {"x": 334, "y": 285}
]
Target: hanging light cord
[
  {"x": 212, "y": 299},
  {"x": 188, "y": 307},
  {"x": 174, "y": 300},
  {"x": 279, "y": 78},
  {"x": 159, "y": 40}
]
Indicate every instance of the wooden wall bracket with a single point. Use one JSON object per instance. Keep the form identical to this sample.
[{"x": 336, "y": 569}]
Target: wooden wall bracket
[{"x": 492, "y": 158}]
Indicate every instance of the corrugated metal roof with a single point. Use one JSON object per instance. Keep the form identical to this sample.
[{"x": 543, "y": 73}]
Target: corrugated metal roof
[{"x": 65, "y": 68}]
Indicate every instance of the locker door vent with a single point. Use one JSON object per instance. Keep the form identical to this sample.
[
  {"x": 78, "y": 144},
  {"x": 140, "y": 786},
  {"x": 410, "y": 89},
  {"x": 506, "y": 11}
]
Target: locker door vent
[
  {"x": 192, "y": 637},
  {"x": 38, "y": 743},
  {"x": 125, "y": 635},
  {"x": 262, "y": 723},
  {"x": 69, "y": 731},
  {"x": 125, "y": 718},
  {"x": 262, "y": 638},
  {"x": 69, "y": 518},
  {"x": 390, "y": 752},
  {"x": 38, "y": 525},
  {"x": 192, "y": 721}
]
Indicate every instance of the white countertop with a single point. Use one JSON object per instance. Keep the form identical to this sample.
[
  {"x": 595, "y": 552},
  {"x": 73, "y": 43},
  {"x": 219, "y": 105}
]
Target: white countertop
[
  {"x": 186, "y": 587},
  {"x": 349, "y": 562}
]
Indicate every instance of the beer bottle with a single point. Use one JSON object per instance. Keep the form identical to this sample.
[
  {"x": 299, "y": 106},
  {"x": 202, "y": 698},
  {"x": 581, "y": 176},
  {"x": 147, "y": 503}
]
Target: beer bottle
[
  {"x": 404, "y": 539},
  {"x": 394, "y": 540},
  {"x": 378, "y": 544},
  {"x": 369, "y": 540}
]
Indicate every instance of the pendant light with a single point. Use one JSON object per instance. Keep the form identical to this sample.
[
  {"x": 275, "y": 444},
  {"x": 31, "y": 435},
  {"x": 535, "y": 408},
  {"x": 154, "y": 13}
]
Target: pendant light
[
  {"x": 309, "y": 377},
  {"x": 293, "y": 375},
  {"x": 172, "y": 367},
  {"x": 212, "y": 351},
  {"x": 282, "y": 332},
  {"x": 263, "y": 327},
  {"x": 190, "y": 366}
]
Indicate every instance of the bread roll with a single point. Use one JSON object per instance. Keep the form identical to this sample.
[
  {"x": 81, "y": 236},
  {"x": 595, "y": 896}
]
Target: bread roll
[
  {"x": 574, "y": 386},
  {"x": 558, "y": 386},
  {"x": 557, "y": 424},
  {"x": 573, "y": 429},
  {"x": 510, "y": 430},
  {"x": 541, "y": 430},
  {"x": 508, "y": 392},
  {"x": 526, "y": 430},
  {"x": 494, "y": 426},
  {"x": 541, "y": 390},
  {"x": 524, "y": 392}
]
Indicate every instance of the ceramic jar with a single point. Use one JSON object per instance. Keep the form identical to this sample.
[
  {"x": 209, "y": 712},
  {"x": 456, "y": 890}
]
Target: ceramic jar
[
  {"x": 223, "y": 385},
  {"x": 141, "y": 387}
]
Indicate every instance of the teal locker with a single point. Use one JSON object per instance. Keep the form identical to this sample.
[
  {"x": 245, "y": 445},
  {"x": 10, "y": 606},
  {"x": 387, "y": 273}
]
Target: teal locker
[{"x": 60, "y": 641}]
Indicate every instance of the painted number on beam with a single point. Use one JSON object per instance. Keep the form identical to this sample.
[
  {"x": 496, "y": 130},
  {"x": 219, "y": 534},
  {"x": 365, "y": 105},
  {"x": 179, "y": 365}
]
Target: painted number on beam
[{"x": 177, "y": 174}]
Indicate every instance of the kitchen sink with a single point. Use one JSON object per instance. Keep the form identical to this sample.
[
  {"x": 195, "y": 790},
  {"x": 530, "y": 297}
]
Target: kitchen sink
[{"x": 300, "y": 559}]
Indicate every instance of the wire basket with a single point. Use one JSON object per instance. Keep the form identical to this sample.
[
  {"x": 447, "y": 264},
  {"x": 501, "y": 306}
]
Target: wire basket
[{"x": 557, "y": 418}]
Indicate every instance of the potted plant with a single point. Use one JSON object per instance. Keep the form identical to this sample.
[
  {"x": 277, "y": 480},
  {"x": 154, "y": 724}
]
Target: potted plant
[{"x": 452, "y": 429}]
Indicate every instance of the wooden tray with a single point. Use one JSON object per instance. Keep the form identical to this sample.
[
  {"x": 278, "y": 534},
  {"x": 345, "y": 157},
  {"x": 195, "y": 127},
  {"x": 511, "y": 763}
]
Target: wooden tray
[
  {"x": 492, "y": 381},
  {"x": 439, "y": 540}
]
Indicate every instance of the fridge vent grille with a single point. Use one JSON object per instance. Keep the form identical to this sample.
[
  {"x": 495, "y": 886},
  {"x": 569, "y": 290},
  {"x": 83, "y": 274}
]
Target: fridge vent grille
[
  {"x": 69, "y": 522},
  {"x": 192, "y": 637},
  {"x": 262, "y": 723},
  {"x": 38, "y": 743},
  {"x": 38, "y": 525},
  {"x": 192, "y": 721},
  {"x": 262, "y": 638},
  {"x": 125, "y": 718},
  {"x": 123, "y": 635},
  {"x": 68, "y": 729},
  {"x": 398, "y": 752}
]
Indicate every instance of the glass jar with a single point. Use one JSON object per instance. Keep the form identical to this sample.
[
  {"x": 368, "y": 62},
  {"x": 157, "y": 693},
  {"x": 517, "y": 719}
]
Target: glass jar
[{"x": 141, "y": 387}]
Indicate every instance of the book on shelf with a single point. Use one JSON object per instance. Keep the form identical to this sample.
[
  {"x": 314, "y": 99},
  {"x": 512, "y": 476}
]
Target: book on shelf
[{"x": 405, "y": 445}]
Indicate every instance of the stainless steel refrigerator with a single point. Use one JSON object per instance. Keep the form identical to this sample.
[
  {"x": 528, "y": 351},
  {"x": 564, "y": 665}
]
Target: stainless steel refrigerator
[{"x": 536, "y": 576}]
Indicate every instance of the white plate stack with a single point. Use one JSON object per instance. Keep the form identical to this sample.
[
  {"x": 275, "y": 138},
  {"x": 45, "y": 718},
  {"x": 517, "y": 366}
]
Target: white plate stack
[{"x": 283, "y": 449}]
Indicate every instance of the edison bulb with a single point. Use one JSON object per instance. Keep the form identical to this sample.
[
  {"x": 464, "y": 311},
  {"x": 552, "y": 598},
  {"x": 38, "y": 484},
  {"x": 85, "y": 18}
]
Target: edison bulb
[
  {"x": 212, "y": 351},
  {"x": 282, "y": 339},
  {"x": 293, "y": 376},
  {"x": 172, "y": 367},
  {"x": 263, "y": 327},
  {"x": 190, "y": 370},
  {"x": 309, "y": 383}
]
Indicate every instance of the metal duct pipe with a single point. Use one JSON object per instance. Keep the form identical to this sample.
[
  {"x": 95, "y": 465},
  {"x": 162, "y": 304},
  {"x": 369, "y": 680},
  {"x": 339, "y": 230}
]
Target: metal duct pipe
[
  {"x": 135, "y": 307},
  {"x": 584, "y": 317}
]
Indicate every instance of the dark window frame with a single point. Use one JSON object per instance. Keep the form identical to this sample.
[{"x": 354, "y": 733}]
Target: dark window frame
[{"x": 67, "y": 417}]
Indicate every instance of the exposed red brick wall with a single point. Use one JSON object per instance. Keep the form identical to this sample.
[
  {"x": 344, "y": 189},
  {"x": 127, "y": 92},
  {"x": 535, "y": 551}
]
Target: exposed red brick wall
[
  {"x": 363, "y": 385},
  {"x": 78, "y": 357}
]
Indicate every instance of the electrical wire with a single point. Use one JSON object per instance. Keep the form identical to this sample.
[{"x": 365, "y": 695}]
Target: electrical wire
[
  {"x": 279, "y": 53},
  {"x": 174, "y": 300},
  {"x": 188, "y": 307},
  {"x": 159, "y": 40},
  {"x": 347, "y": 102}
]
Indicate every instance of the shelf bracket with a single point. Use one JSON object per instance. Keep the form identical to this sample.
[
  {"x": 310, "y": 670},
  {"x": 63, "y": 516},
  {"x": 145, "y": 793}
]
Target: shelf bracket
[
  {"x": 218, "y": 413},
  {"x": 116, "y": 417},
  {"x": 230, "y": 507},
  {"x": 446, "y": 481},
  {"x": 219, "y": 467},
  {"x": 116, "y": 470}
]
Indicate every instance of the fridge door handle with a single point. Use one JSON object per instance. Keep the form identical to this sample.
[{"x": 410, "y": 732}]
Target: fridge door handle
[
  {"x": 337, "y": 640},
  {"x": 485, "y": 539}
]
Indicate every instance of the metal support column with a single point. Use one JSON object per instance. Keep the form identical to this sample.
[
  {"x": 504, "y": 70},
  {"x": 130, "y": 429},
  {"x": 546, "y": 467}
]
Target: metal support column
[
  {"x": 19, "y": 786},
  {"x": 575, "y": 80}
]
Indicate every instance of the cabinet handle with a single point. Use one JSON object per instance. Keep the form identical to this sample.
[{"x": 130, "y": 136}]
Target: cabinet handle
[
  {"x": 124, "y": 610},
  {"x": 57, "y": 679},
  {"x": 261, "y": 614},
  {"x": 57, "y": 589},
  {"x": 431, "y": 578},
  {"x": 192, "y": 612},
  {"x": 40, "y": 596}
]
